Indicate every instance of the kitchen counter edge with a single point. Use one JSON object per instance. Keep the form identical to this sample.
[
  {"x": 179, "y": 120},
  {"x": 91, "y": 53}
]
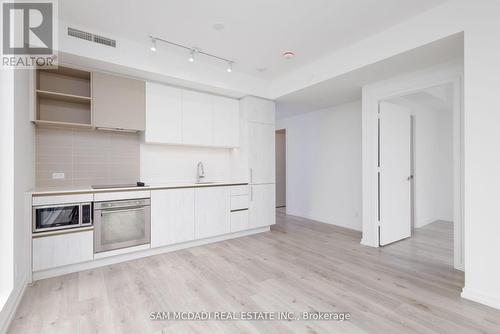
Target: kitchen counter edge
[{"x": 49, "y": 192}]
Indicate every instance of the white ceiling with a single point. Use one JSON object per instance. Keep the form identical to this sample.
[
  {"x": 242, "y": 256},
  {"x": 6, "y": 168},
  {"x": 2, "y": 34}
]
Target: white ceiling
[
  {"x": 439, "y": 98},
  {"x": 256, "y": 32},
  {"x": 347, "y": 88}
]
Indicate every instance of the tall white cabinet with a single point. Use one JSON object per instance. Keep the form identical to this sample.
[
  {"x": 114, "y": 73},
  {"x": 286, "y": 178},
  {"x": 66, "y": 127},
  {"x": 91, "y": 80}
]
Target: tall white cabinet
[{"x": 259, "y": 115}]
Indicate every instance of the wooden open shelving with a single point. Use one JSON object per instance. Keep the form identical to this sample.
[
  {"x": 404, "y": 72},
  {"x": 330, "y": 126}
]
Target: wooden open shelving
[{"x": 63, "y": 97}]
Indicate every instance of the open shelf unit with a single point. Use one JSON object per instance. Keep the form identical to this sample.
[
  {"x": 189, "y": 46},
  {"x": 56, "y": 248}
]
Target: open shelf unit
[{"x": 63, "y": 97}]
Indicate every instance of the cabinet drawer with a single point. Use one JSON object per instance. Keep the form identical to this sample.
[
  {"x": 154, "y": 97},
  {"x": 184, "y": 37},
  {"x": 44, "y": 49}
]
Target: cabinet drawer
[
  {"x": 239, "y": 221},
  {"x": 239, "y": 190},
  {"x": 62, "y": 199},
  {"x": 121, "y": 195},
  {"x": 239, "y": 202},
  {"x": 63, "y": 249}
]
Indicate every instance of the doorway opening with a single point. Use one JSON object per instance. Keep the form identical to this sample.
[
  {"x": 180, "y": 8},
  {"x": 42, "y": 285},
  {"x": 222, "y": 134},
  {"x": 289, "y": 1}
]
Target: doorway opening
[
  {"x": 419, "y": 172},
  {"x": 281, "y": 169}
]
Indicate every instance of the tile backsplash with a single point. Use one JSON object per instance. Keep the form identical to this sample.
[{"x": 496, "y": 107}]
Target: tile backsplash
[{"x": 85, "y": 157}]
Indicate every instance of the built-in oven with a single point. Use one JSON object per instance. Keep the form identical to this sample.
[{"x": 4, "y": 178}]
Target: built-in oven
[
  {"x": 120, "y": 224},
  {"x": 63, "y": 216}
]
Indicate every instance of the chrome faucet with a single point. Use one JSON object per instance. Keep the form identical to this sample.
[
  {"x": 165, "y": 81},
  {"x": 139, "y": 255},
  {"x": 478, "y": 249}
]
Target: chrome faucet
[{"x": 200, "y": 175}]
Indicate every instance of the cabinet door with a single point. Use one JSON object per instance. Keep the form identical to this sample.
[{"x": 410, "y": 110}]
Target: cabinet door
[
  {"x": 259, "y": 110},
  {"x": 262, "y": 205},
  {"x": 212, "y": 211},
  {"x": 197, "y": 127},
  {"x": 262, "y": 153},
  {"x": 64, "y": 249},
  {"x": 239, "y": 221},
  {"x": 172, "y": 216},
  {"x": 118, "y": 102},
  {"x": 226, "y": 122},
  {"x": 163, "y": 114}
]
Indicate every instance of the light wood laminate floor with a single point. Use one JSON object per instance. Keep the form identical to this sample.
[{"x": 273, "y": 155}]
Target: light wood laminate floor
[{"x": 301, "y": 265}]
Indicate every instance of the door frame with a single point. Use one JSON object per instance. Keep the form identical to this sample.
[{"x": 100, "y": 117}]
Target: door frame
[
  {"x": 286, "y": 166},
  {"x": 372, "y": 95},
  {"x": 278, "y": 128}
]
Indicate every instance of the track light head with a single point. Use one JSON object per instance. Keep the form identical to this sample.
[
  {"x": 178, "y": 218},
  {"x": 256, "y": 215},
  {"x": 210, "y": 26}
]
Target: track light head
[
  {"x": 229, "y": 67},
  {"x": 191, "y": 55},
  {"x": 153, "y": 44}
]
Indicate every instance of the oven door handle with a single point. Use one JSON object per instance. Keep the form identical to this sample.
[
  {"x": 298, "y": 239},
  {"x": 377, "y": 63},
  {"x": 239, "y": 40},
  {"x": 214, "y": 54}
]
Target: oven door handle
[{"x": 115, "y": 210}]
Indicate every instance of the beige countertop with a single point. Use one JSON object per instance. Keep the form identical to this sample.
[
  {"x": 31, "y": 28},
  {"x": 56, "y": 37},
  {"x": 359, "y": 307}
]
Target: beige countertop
[{"x": 153, "y": 186}]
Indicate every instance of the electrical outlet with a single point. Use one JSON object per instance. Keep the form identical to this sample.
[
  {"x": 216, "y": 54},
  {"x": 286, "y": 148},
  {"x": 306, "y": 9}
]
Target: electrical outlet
[{"x": 57, "y": 176}]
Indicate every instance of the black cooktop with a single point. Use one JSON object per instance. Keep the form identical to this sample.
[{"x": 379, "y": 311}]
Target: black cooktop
[{"x": 113, "y": 186}]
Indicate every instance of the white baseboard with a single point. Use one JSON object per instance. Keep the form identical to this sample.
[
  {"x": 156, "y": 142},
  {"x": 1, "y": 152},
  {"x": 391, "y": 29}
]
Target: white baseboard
[
  {"x": 368, "y": 244},
  {"x": 481, "y": 298},
  {"x": 104, "y": 261},
  {"x": 9, "y": 310},
  {"x": 349, "y": 225}
]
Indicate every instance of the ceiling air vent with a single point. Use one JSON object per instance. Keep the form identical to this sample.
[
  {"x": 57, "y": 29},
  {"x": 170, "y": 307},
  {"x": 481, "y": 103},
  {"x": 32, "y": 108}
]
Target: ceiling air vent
[
  {"x": 105, "y": 41},
  {"x": 91, "y": 37}
]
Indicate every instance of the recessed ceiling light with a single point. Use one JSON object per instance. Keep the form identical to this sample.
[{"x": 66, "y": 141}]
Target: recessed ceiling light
[
  {"x": 288, "y": 54},
  {"x": 218, "y": 26}
]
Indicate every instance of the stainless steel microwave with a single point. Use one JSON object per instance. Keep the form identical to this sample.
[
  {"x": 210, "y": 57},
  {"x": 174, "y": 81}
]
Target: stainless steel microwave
[{"x": 63, "y": 216}]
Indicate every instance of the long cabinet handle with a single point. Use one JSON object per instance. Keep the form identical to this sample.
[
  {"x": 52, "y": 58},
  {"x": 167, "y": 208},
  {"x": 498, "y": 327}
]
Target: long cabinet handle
[
  {"x": 251, "y": 175},
  {"x": 251, "y": 193}
]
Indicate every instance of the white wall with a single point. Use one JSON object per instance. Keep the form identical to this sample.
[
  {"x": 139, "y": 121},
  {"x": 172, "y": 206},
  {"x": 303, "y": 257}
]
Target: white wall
[
  {"x": 17, "y": 177},
  {"x": 24, "y": 173},
  {"x": 324, "y": 165},
  {"x": 166, "y": 163},
  {"x": 479, "y": 22},
  {"x": 433, "y": 156},
  {"x": 6, "y": 186},
  {"x": 280, "y": 168}
]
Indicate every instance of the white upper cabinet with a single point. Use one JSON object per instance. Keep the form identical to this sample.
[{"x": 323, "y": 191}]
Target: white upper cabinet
[
  {"x": 225, "y": 122},
  {"x": 259, "y": 110},
  {"x": 163, "y": 114},
  {"x": 261, "y": 153},
  {"x": 183, "y": 117},
  {"x": 197, "y": 114}
]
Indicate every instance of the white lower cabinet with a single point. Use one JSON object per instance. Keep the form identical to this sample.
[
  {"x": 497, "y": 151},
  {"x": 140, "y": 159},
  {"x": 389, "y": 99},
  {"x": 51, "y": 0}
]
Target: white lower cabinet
[
  {"x": 172, "y": 216},
  {"x": 239, "y": 220},
  {"x": 212, "y": 211},
  {"x": 63, "y": 249},
  {"x": 262, "y": 205}
]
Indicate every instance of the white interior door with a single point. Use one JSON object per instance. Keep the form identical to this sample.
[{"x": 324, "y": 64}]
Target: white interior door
[{"x": 394, "y": 173}]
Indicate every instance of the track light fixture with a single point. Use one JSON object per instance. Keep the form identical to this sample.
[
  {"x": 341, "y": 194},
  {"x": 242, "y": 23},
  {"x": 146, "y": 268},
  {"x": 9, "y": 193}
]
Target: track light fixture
[{"x": 192, "y": 52}]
